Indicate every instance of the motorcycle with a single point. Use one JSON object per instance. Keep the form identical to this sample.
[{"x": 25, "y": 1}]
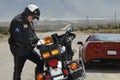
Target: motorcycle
[{"x": 57, "y": 54}]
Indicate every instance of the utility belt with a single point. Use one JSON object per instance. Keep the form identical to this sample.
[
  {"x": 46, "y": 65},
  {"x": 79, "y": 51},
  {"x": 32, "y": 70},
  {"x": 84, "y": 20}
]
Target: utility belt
[{"x": 18, "y": 44}]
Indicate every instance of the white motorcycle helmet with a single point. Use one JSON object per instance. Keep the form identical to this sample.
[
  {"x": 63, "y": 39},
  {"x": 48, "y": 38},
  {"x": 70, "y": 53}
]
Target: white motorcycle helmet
[{"x": 32, "y": 10}]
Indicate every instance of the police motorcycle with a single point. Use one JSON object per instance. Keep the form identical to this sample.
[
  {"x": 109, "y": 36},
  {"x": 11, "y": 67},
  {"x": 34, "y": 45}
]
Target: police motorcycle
[{"x": 57, "y": 54}]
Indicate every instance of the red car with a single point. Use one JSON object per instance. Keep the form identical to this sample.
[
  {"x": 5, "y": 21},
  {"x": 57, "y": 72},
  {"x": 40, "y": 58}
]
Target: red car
[{"x": 101, "y": 48}]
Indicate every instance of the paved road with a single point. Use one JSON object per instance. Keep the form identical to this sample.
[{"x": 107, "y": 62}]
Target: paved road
[{"x": 6, "y": 64}]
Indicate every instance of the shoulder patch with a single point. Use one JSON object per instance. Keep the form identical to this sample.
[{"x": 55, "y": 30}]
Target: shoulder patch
[{"x": 17, "y": 30}]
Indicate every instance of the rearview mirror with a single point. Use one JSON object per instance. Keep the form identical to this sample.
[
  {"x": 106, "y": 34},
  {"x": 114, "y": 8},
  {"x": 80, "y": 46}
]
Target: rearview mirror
[{"x": 69, "y": 28}]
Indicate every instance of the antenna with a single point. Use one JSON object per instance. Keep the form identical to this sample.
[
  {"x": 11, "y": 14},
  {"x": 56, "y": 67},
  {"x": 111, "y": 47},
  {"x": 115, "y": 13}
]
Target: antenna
[
  {"x": 87, "y": 21},
  {"x": 115, "y": 19}
]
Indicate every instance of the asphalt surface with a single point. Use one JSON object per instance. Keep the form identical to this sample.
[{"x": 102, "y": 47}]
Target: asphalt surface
[{"x": 96, "y": 73}]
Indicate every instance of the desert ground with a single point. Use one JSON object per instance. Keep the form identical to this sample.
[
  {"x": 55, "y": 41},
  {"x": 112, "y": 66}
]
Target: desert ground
[{"x": 6, "y": 62}]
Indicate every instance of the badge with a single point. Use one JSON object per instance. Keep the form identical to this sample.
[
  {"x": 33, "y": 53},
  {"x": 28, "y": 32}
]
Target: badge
[{"x": 25, "y": 26}]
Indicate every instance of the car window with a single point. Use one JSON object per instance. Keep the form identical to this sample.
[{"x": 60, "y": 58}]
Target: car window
[{"x": 105, "y": 37}]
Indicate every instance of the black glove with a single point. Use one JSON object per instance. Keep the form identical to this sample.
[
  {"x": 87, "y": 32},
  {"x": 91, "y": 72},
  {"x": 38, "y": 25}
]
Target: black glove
[{"x": 34, "y": 41}]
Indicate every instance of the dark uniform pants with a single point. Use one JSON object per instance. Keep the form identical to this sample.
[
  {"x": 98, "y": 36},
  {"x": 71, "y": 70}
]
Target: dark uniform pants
[{"x": 20, "y": 56}]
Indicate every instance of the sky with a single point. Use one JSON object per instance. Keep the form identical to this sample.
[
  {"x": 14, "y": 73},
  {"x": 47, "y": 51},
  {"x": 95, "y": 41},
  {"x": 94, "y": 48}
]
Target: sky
[{"x": 62, "y": 9}]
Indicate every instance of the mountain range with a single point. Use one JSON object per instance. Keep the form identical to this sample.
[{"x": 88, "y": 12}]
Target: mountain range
[{"x": 63, "y": 9}]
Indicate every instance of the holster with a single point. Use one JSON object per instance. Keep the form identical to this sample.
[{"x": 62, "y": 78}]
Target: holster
[{"x": 18, "y": 44}]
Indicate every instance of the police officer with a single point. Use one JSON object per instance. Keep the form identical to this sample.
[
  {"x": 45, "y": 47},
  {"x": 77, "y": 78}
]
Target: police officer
[{"x": 23, "y": 40}]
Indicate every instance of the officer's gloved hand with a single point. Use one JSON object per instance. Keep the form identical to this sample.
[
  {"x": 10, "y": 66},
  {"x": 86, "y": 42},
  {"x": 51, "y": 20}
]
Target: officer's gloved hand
[{"x": 34, "y": 41}]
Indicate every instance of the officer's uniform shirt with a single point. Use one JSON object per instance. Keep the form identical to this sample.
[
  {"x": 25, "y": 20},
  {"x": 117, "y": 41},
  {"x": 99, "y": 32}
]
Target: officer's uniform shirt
[{"x": 21, "y": 30}]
